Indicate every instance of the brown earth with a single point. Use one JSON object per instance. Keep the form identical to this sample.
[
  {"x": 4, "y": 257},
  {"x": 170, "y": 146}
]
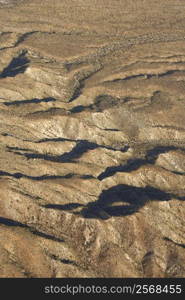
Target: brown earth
[{"x": 92, "y": 138}]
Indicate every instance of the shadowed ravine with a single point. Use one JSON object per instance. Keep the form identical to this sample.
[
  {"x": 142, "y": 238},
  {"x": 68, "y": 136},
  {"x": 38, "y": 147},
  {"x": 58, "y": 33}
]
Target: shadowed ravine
[{"x": 132, "y": 199}]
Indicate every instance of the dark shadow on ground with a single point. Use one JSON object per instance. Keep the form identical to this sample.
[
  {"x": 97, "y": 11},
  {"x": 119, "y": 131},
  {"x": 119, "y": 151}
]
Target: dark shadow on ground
[
  {"x": 134, "y": 164},
  {"x": 17, "y": 65},
  {"x": 30, "y": 101},
  {"x": 12, "y": 223},
  {"x": 39, "y": 178},
  {"x": 129, "y": 198},
  {"x": 79, "y": 149},
  {"x": 68, "y": 206},
  {"x": 120, "y": 200}
]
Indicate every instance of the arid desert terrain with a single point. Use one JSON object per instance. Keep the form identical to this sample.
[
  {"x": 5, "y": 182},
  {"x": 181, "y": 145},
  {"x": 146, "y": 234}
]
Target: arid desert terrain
[{"x": 92, "y": 138}]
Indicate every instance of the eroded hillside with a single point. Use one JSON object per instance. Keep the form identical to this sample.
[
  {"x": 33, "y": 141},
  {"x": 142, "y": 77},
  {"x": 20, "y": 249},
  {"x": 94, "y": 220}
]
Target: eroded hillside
[{"x": 92, "y": 138}]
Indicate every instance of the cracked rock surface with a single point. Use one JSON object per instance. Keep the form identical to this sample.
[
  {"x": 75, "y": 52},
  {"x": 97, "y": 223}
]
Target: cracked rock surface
[{"x": 92, "y": 138}]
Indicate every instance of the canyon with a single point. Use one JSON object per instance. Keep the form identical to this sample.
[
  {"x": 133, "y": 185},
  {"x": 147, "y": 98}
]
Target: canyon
[{"x": 92, "y": 138}]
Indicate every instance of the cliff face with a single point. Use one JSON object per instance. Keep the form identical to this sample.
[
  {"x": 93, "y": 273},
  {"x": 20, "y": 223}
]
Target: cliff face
[{"x": 92, "y": 138}]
